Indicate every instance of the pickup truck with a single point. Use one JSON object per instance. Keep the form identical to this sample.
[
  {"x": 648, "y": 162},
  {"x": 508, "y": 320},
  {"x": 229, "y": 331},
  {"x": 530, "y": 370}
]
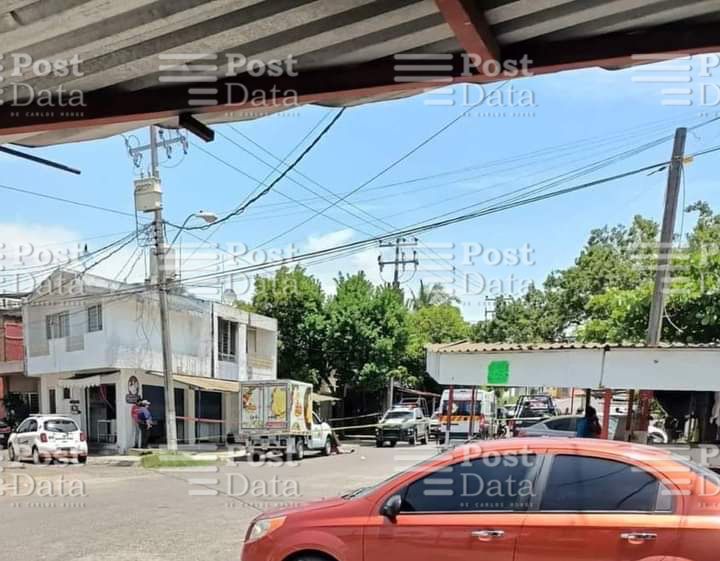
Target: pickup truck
[
  {"x": 277, "y": 416},
  {"x": 403, "y": 423}
]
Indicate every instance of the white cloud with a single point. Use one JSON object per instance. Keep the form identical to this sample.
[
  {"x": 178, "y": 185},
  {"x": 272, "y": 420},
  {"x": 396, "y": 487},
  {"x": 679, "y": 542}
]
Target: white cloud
[{"x": 326, "y": 241}]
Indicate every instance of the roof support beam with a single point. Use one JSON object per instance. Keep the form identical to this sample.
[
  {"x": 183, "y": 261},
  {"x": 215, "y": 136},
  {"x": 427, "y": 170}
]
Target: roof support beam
[
  {"x": 467, "y": 20},
  {"x": 350, "y": 82}
]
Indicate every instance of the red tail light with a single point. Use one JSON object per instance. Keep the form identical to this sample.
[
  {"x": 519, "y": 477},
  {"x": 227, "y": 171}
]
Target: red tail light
[
  {"x": 82, "y": 437},
  {"x": 43, "y": 437}
]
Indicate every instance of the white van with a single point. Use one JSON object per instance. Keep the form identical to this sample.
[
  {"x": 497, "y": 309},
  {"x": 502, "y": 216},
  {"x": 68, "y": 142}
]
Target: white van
[{"x": 466, "y": 421}]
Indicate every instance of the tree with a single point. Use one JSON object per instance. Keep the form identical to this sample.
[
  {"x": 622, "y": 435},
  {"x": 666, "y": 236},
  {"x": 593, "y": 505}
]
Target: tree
[
  {"x": 296, "y": 300},
  {"x": 529, "y": 318},
  {"x": 692, "y": 308},
  {"x": 613, "y": 262},
  {"x": 434, "y": 296},
  {"x": 366, "y": 333},
  {"x": 441, "y": 323},
  {"x": 618, "y": 258}
]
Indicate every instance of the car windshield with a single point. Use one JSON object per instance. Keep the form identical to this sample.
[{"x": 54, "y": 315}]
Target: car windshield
[
  {"x": 462, "y": 408},
  {"x": 364, "y": 491},
  {"x": 398, "y": 415},
  {"x": 60, "y": 425}
]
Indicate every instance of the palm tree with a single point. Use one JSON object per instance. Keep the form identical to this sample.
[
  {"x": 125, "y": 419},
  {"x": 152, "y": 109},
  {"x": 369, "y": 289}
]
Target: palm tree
[{"x": 436, "y": 295}]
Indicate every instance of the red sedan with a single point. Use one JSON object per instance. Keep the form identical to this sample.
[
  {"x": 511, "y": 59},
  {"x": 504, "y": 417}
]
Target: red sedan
[{"x": 511, "y": 500}]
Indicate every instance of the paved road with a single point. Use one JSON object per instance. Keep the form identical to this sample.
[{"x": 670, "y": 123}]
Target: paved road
[{"x": 109, "y": 513}]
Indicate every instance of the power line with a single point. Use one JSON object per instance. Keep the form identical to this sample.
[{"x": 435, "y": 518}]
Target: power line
[
  {"x": 267, "y": 189},
  {"x": 439, "y": 224},
  {"x": 66, "y": 201},
  {"x": 558, "y": 179},
  {"x": 388, "y": 167}
]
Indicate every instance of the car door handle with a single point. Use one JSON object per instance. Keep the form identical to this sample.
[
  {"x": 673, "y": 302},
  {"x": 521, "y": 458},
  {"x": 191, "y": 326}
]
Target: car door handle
[
  {"x": 487, "y": 535},
  {"x": 638, "y": 537}
]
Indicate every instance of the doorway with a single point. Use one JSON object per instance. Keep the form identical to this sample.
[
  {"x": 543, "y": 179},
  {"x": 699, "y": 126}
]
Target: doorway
[
  {"x": 101, "y": 414},
  {"x": 156, "y": 396}
]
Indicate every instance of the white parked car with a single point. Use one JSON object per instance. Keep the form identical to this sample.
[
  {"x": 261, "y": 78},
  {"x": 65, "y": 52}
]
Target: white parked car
[
  {"x": 566, "y": 425},
  {"x": 47, "y": 437}
]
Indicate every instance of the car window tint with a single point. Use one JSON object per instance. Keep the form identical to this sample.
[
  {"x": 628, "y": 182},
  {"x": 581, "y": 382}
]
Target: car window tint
[
  {"x": 496, "y": 483},
  {"x": 60, "y": 425},
  {"x": 579, "y": 483}
]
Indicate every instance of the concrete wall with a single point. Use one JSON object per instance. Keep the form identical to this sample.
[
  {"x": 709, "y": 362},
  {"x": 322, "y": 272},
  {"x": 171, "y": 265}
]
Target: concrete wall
[{"x": 130, "y": 338}]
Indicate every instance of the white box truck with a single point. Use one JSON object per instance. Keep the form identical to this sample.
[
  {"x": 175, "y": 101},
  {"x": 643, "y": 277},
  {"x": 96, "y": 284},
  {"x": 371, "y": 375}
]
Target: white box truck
[{"x": 278, "y": 416}]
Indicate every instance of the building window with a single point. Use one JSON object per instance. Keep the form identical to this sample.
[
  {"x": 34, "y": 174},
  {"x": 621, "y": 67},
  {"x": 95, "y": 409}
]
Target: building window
[
  {"x": 95, "y": 318},
  {"x": 251, "y": 341},
  {"x": 227, "y": 340},
  {"x": 52, "y": 403},
  {"x": 57, "y": 325}
]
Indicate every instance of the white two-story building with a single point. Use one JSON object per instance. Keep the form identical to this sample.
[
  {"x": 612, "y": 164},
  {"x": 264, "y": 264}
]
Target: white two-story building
[{"x": 95, "y": 345}]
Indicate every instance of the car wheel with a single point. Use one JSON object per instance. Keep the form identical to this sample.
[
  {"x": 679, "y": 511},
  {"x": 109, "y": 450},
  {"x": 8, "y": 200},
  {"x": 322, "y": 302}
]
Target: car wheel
[
  {"x": 82, "y": 459},
  {"x": 379, "y": 443},
  {"x": 11, "y": 453},
  {"x": 393, "y": 443},
  {"x": 36, "y": 456},
  {"x": 655, "y": 439},
  {"x": 327, "y": 449},
  {"x": 255, "y": 457},
  {"x": 299, "y": 450}
]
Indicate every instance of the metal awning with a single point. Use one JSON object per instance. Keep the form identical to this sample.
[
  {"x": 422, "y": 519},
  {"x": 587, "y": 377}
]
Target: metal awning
[
  {"x": 569, "y": 365},
  {"x": 208, "y": 384},
  {"x": 141, "y": 62},
  {"x": 85, "y": 381}
]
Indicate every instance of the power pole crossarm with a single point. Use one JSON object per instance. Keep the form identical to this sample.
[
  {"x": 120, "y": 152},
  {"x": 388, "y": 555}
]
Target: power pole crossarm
[{"x": 400, "y": 260}]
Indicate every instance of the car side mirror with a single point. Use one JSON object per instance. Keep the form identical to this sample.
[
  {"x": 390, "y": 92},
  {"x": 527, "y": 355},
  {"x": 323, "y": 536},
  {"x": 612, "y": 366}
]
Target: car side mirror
[{"x": 392, "y": 507}]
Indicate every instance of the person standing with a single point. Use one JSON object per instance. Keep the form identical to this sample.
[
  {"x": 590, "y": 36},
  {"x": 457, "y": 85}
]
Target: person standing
[
  {"x": 589, "y": 425},
  {"x": 135, "y": 414},
  {"x": 145, "y": 422}
]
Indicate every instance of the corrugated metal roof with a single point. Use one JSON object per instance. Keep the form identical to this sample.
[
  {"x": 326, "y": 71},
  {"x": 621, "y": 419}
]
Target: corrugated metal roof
[
  {"x": 343, "y": 48},
  {"x": 470, "y": 348}
]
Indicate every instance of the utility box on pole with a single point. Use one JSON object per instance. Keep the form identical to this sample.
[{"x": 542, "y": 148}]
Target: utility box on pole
[{"x": 148, "y": 194}]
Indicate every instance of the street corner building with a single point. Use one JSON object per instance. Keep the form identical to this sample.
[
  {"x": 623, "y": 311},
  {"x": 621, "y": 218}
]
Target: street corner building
[{"x": 95, "y": 346}]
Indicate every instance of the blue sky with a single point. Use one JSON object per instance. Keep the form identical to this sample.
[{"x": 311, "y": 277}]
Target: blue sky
[{"x": 589, "y": 115}]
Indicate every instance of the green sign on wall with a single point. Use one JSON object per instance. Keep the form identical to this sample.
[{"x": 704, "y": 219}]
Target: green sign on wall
[{"x": 499, "y": 373}]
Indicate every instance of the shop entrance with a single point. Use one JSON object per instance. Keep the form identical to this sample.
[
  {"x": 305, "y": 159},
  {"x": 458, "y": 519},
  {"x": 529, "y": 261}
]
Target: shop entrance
[
  {"x": 101, "y": 414},
  {"x": 156, "y": 396}
]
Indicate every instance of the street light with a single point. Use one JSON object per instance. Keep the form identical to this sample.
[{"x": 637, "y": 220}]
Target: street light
[{"x": 207, "y": 216}]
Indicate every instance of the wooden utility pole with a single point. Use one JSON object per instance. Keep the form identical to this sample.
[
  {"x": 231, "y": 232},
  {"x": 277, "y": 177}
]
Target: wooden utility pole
[{"x": 662, "y": 271}]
